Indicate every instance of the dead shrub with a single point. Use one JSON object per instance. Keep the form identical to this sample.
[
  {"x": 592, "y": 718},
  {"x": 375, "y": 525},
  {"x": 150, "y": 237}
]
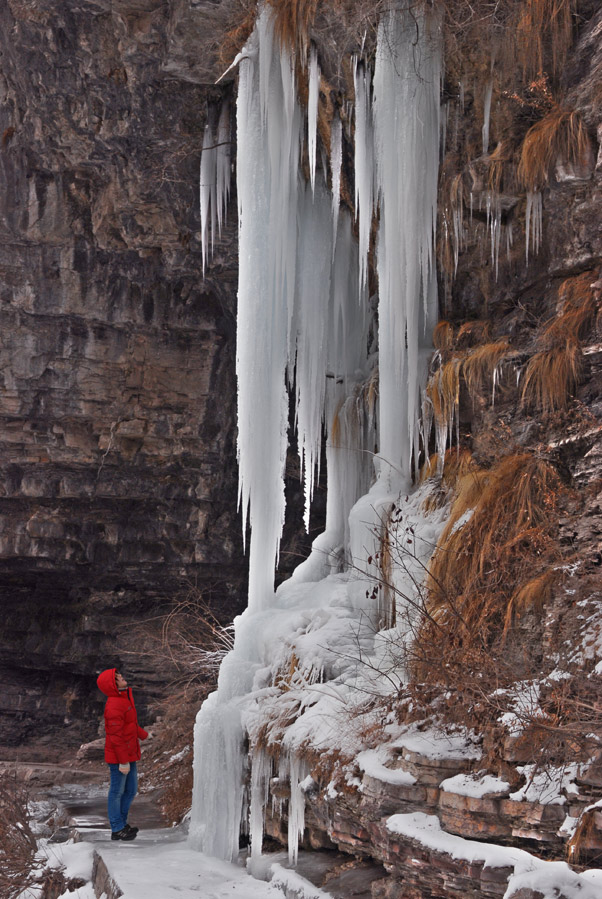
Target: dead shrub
[
  {"x": 19, "y": 868},
  {"x": 187, "y": 643},
  {"x": 482, "y": 571}
]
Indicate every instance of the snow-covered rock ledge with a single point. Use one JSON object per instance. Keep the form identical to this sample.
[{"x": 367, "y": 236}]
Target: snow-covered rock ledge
[
  {"x": 422, "y": 806},
  {"x": 434, "y": 863}
]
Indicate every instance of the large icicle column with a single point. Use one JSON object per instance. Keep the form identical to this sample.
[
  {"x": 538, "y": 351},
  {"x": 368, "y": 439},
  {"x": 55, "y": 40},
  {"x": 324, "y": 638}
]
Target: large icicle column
[
  {"x": 404, "y": 127},
  {"x": 407, "y": 84},
  {"x": 304, "y": 319},
  {"x": 269, "y": 136}
]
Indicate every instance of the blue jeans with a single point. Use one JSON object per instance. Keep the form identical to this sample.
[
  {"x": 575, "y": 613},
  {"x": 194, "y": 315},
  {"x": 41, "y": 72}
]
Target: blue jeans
[{"x": 122, "y": 789}]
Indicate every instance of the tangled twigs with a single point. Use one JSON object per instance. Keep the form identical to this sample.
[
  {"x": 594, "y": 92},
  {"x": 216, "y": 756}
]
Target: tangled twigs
[{"x": 18, "y": 864}]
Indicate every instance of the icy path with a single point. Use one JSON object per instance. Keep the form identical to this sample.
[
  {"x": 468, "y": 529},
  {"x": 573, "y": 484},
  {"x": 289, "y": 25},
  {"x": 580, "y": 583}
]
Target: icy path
[{"x": 160, "y": 865}]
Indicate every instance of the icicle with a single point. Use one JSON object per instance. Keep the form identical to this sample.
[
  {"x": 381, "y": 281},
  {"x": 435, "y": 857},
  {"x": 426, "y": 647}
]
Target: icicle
[
  {"x": 293, "y": 768},
  {"x": 336, "y": 159},
  {"x": 269, "y": 134},
  {"x": 261, "y": 769},
  {"x": 407, "y": 82},
  {"x": 208, "y": 188},
  {"x": 444, "y": 121},
  {"x": 533, "y": 222},
  {"x": 314, "y": 256},
  {"x": 487, "y": 115},
  {"x": 312, "y": 112},
  {"x": 350, "y": 401},
  {"x": 223, "y": 166},
  {"x": 494, "y": 226},
  {"x": 364, "y": 164},
  {"x": 219, "y": 764},
  {"x": 509, "y": 239},
  {"x": 215, "y": 177},
  {"x": 458, "y": 233}
]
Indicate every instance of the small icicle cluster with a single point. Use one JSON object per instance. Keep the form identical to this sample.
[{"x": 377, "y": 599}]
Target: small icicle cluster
[{"x": 215, "y": 176}]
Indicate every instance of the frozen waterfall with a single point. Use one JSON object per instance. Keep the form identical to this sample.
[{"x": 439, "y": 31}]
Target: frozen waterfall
[{"x": 306, "y": 324}]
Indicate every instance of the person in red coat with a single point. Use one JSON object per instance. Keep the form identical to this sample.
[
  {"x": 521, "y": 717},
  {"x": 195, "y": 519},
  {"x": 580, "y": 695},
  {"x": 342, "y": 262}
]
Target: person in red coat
[{"x": 122, "y": 750}]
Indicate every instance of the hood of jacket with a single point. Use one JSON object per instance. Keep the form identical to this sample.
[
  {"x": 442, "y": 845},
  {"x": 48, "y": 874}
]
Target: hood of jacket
[{"x": 106, "y": 682}]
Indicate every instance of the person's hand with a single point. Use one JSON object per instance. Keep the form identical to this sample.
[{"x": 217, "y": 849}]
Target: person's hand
[{"x": 124, "y": 769}]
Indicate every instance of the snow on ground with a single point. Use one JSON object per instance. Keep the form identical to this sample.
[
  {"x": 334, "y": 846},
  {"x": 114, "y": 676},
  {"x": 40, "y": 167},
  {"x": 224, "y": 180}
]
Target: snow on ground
[
  {"x": 477, "y": 786},
  {"x": 159, "y": 864},
  {"x": 373, "y": 763},
  {"x": 77, "y": 858},
  {"x": 548, "y": 786},
  {"x": 293, "y": 885},
  {"x": 145, "y": 870},
  {"x": 551, "y": 879},
  {"x": 433, "y": 743}
]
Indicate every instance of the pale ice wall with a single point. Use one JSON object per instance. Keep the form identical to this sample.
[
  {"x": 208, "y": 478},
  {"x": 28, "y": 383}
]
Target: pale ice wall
[{"x": 305, "y": 318}]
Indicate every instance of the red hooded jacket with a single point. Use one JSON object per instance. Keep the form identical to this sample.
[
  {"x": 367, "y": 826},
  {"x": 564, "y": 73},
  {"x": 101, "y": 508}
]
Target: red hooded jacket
[{"x": 122, "y": 733}]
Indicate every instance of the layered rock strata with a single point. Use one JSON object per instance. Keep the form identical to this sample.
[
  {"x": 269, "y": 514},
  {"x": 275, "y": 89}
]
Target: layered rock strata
[{"x": 117, "y": 392}]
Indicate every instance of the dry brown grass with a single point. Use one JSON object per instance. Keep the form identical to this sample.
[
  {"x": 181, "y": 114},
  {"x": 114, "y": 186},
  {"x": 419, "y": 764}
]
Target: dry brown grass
[
  {"x": 350, "y": 412},
  {"x": 544, "y": 34},
  {"x": 499, "y": 161},
  {"x": 443, "y": 336},
  {"x": 577, "y": 314},
  {"x": 458, "y": 464},
  {"x": 484, "y": 572},
  {"x": 443, "y": 391},
  {"x": 472, "y": 333},
  {"x": 533, "y": 594},
  {"x": 235, "y": 30},
  {"x": 283, "y": 679},
  {"x": 293, "y": 20},
  {"x": 551, "y": 377},
  {"x": 475, "y": 368},
  {"x": 560, "y": 136},
  {"x": 585, "y": 835},
  {"x": 553, "y": 373},
  {"x": 478, "y": 367}
]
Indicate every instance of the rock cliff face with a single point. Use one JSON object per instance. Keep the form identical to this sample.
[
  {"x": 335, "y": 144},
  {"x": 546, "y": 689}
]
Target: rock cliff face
[{"x": 117, "y": 391}]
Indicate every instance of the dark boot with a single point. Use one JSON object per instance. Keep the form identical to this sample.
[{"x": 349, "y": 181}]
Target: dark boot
[
  {"x": 127, "y": 833},
  {"x": 129, "y": 827}
]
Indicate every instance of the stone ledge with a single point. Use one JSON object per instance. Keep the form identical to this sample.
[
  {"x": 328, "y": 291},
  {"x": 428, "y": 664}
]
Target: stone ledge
[{"x": 102, "y": 880}]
